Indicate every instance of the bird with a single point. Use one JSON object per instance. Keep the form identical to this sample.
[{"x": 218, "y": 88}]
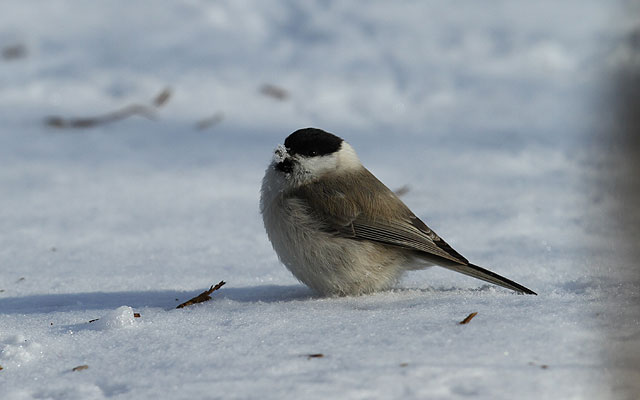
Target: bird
[{"x": 341, "y": 231}]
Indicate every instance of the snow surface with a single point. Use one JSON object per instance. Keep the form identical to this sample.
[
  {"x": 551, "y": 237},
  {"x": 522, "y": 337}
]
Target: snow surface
[{"x": 492, "y": 114}]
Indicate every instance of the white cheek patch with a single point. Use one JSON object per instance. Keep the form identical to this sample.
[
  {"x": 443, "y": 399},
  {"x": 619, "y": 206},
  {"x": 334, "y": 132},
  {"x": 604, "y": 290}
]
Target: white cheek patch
[
  {"x": 307, "y": 169},
  {"x": 347, "y": 157},
  {"x": 319, "y": 165},
  {"x": 344, "y": 159}
]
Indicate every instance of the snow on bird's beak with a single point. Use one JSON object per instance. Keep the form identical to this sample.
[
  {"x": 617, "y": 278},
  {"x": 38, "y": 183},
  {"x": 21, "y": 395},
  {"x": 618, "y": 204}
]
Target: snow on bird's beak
[
  {"x": 282, "y": 160},
  {"x": 280, "y": 154}
]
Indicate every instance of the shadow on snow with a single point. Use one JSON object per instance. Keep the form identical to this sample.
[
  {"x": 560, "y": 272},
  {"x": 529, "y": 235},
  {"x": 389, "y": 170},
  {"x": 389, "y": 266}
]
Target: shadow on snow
[{"x": 168, "y": 299}]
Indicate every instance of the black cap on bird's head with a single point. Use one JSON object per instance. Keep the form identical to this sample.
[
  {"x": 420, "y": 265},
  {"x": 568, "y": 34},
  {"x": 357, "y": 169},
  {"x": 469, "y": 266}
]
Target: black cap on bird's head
[{"x": 312, "y": 142}]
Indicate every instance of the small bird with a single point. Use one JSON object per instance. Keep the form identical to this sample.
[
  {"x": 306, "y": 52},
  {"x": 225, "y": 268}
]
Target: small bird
[{"x": 340, "y": 230}]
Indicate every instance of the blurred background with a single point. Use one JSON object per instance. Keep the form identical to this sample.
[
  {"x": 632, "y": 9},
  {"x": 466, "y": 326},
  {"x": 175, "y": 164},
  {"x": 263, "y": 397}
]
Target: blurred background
[{"x": 133, "y": 137}]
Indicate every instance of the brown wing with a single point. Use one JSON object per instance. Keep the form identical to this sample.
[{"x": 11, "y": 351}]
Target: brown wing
[
  {"x": 357, "y": 205},
  {"x": 411, "y": 233}
]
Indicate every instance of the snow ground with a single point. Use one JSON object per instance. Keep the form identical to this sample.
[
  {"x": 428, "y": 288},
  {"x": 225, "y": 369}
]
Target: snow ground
[{"x": 493, "y": 115}]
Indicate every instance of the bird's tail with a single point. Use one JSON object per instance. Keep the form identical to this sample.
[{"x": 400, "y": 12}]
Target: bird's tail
[{"x": 488, "y": 276}]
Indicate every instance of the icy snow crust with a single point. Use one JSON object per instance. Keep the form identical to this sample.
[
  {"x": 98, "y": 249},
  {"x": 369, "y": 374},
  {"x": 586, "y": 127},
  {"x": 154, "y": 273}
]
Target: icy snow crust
[{"x": 486, "y": 112}]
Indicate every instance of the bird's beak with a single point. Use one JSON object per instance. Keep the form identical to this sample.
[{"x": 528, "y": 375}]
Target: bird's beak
[
  {"x": 280, "y": 154},
  {"x": 282, "y": 160},
  {"x": 285, "y": 166}
]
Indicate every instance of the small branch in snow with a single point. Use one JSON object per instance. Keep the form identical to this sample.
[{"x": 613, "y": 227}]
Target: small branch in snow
[
  {"x": 543, "y": 366},
  {"x": 80, "y": 368},
  {"x": 123, "y": 113},
  {"x": 14, "y": 52},
  {"x": 162, "y": 98},
  {"x": 468, "y": 319},
  {"x": 211, "y": 121},
  {"x": 273, "y": 91},
  {"x": 401, "y": 191},
  {"x": 202, "y": 297}
]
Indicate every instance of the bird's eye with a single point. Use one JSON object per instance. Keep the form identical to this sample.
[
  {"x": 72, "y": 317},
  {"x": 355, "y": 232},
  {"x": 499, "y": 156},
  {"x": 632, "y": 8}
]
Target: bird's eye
[{"x": 313, "y": 153}]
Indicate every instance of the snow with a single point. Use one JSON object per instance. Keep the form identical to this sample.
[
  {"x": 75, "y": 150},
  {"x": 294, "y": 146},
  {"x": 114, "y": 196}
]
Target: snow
[
  {"x": 121, "y": 317},
  {"x": 492, "y": 115}
]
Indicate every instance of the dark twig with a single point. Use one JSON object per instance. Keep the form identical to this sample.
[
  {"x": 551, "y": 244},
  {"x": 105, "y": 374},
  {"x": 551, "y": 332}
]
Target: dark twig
[
  {"x": 123, "y": 113},
  {"x": 14, "y": 52},
  {"x": 162, "y": 98},
  {"x": 202, "y": 297},
  {"x": 209, "y": 122},
  {"x": 468, "y": 319},
  {"x": 275, "y": 92},
  {"x": 401, "y": 191}
]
